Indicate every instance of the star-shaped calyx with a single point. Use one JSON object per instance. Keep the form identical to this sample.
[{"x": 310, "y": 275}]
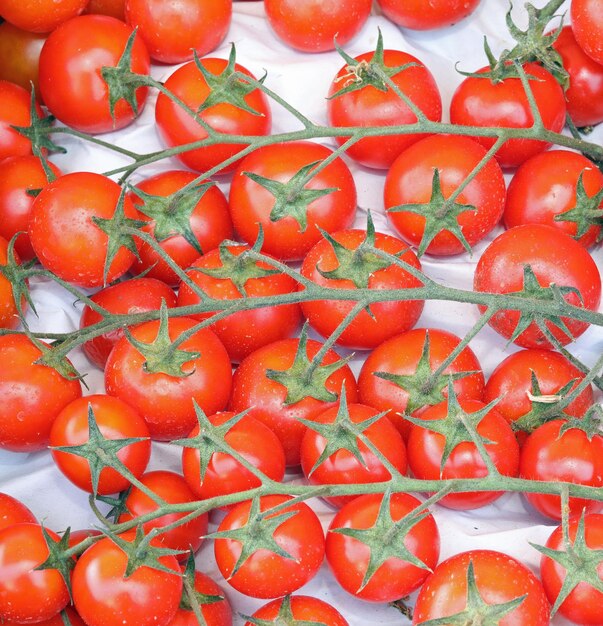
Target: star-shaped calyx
[
  {"x": 54, "y": 356},
  {"x": 16, "y": 274},
  {"x": 590, "y": 424},
  {"x": 56, "y": 559},
  {"x": 439, "y": 213},
  {"x": 586, "y": 212},
  {"x": 284, "y": 618},
  {"x": 191, "y": 598}
]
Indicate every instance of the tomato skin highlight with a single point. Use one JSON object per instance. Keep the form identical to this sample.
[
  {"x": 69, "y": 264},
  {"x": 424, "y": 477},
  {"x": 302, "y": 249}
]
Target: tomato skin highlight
[{"x": 587, "y": 25}]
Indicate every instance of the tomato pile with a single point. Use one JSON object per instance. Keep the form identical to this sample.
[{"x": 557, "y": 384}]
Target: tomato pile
[{"x": 278, "y": 343}]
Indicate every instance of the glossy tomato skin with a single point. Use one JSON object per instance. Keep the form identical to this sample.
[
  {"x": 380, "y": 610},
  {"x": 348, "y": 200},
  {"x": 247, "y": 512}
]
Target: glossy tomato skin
[
  {"x": 64, "y": 236},
  {"x": 26, "y": 595},
  {"x": 400, "y": 355},
  {"x": 171, "y": 31},
  {"x": 554, "y": 258},
  {"x": 348, "y": 558},
  {"x": 251, "y": 204},
  {"x": 266, "y": 399},
  {"x": 165, "y": 401},
  {"x": 418, "y": 15},
  {"x": 343, "y": 467},
  {"x": 13, "y": 511},
  {"x": 32, "y": 395},
  {"x": 243, "y": 332},
  {"x": 103, "y": 595},
  {"x": 372, "y": 107},
  {"x": 544, "y": 188},
  {"x": 113, "y": 8},
  {"x": 387, "y": 318},
  {"x": 40, "y": 16},
  {"x": 177, "y": 128},
  {"x": 584, "y": 604},
  {"x": 303, "y": 608},
  {"x": 20, "y": 55},
  {"x": 548, "y": 454},
  {"x": 499, "y": 578},
  {"x": 587, "y": 24},
  {"x": 312, "y": 25},
  {"x": 136, "y": 295},
  {"x": 410, "y": 181},
  {"x": 116, "y": 420},
  {"x": 480, "y": 102},
  {"x": 9, "y": 313},
  {"x": 265, "y": 574},
  {"x": 73, "y": 56},
  {"x": 209, "y": 221},
  {"x": 15, "y": 103}
]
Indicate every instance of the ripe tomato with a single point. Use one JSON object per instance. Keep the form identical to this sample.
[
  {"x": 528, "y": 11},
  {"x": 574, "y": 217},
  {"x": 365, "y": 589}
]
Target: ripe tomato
[
  {"x": 313, "y": 26},
  {"x": 549, "y": 454},
  {"x": 367, "y": 105},
  {"x": 163, "y": 399},
  {"x": 291, "y": 219},
  {"x": 420, "y": 15},
  {"x": 172, "y": 31},
  {"x": 504, "y": 104},
  {"x": 386, "y": 319},
  {"x": 9, "y": 313},
  {"x": 296, "y": 529},
  {"x": 114, "y": 8},
  {"x": 178, "y": 128},
  {"x": 14, "y": 111},
  {"x": 396, "y": 375},
  {"x": 57, "y": 620},
  {"x": 278, "y": 387},
  {"x": 474, "y": 213},
  {"x": 40, "y": 16},
  {"x": 12, "y": 512},
  {"x": 20, "y": 55},
  {"x": 395, "y": 577},
  {"x": 528, "y": 260},
  {"x": 587, "y": 24},
  {"x": 498, "y": 579},
  {"x": 115, "y": 420},
  {"x": 32, "y": 395},
  {"x": 73, "y": 57},
  {"x": 244, "y": 331},
  {"x": 208, "y": 221},
  {"x": 544, "y": 190},
  {"x": 303, "y": 609},
  {"x": 63, "y": 233}
]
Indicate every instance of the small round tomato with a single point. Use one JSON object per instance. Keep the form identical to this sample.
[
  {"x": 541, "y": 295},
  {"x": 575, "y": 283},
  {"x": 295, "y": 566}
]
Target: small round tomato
[
  {"x": 587, "y": 24},
  {"x": 20, "y": 55},
  {"x": 440, "y": 230},
  {"x": 545, "y": 190},
  {"x": 32, "y": 395},
  {"x": 528, "y": 260},
  {"x": 76, "y": 537},
  {"x": 9, "y": 312},
  {"x": 40, "y": 16},
  {"x": 569, "y": 456},
  {"x": 71, "y": 83},
  {"x": 296, "y": 529},
  {"x": 114, "y": 8},
  {"x": 57, "y": 620},
  {"x": 395, "y": 577},
  {"x": 13, "y": 511},
  {"x": 15, "y": 110},
  {"x": 178, "y": 128},
  {"x": 498, "y": 579},
  {"x": 373, "y": 103},
  {"x": 266, "y": 192},
  {"x": 478, "y": 101},
  {"x": 313, "y": 25},
  {"x": 303, "y": 609},
  {"x": 115, "y": 420},
  {"x": 419, "y": 15}
]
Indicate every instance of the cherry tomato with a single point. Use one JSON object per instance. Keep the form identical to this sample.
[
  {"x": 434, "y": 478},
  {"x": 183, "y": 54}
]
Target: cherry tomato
[
  {"x": 57, "y": 620},
  {"x": 13, "y": 511},
  {"x": 20, "y": 56},
  {"x": 587, "y": 24},
  {"x": 9, "y": 313},
  {"x": 40, "y": 16},
  {"x": 303, "y": 608},
  {"x": 114, "y": 8},
  {"x": 15, "y": 105},
  {"x": 418, "y": 15}
]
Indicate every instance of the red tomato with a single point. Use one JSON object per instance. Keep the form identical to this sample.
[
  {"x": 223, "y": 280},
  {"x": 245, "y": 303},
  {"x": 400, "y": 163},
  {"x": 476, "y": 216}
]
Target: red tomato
[
  {"x": 267, "y": 384},
  {"x": 57, "y": 620},
  {"x": 504, "y": 104},
  {"x": 114, "y": 8},
  {"x": 544, "y": 190},
  {"x": 103, "y": 595},
  {"x": 40, "y": 16},
  {"x": 499, "y": 579},
  {"x": 115, "y": 420},
  {"x": 224, "y": 475},
  {"x": 313, "y": 25},
  {"x": 291, "y": 224},
  {"x": 70, "y": 72},
  {"x": 15, "y": 104},
  {"x": 549, "y": 454},
  {"x": 12, "y": 512},
  {"x": 32, "y": 395},
  {"x": 426, "y": 450},
  {"x": 265, "y": 574},
  {"x": 76, "y": 537},
  {"x": 553, "y": 258},
  {"x": 63, "y": 233},
  {"x": 172, "y": 30},
  {"x": 244, "y": 331},
  {"x": 368, "y": 105},
  {"x": 587, "y": 24},
  {"x": 165, "y": 400},
  {"x": 136, "y": 295},
  {"x": 178, "y": 128},
  {"x": 386, "y": 319},
  {"x": 395, "y": 375},
  {"x": 28, "y": 595},
  {"x": 419, "y": 15},
  {"x": 208, "y": 220},
  {"x": 349, "y": 557},
  {"x": 474, "y": 213},
  {"x": 20, "y": 56},
  {"x": 172, "y": 489},
  {"x": 584, "y": 604},
  {"x": 9, "y": 313},
  {"x": 303, "y": 608},
  {"x": 342, "y": 466}
]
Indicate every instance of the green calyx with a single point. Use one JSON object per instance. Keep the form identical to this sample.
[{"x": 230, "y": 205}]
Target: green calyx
[
  {"x": 590, "y": 424},
  {"x": 191, "y": 598},
  {"x": 57, "y": 559},
  {"x": 586, "y": 212}
]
